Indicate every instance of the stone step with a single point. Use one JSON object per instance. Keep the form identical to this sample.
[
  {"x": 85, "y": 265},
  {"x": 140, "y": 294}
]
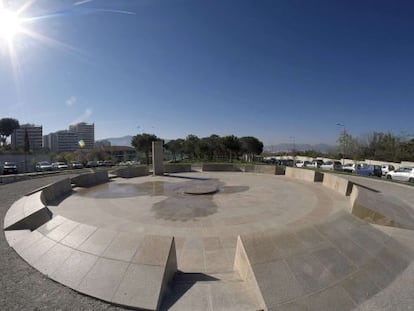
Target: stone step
[{"x": 199, "y": 291}]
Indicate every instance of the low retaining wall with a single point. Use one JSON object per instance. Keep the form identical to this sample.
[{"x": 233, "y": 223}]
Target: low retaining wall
[
  {"x": 243, "y": 266},
  {"x": 27, "y": 213},
  {"x": 55, "y": 191},
  {"x": 220, "y": 167},
  {"x": 177, "y": 168},
  {"x": 132, "y": 171},
  {"x": 90, "y": 179},
  {"x": 304, "y": 174},
  {"x": 341, "y": 185},
  {"x": 264, "y": 169},
  {"x": 7, "y": 179},
  {"x": 376, "y": 208}
]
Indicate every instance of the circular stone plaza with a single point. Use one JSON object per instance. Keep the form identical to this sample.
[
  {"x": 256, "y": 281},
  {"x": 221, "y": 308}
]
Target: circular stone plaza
[{"x": 213, "y": 237}]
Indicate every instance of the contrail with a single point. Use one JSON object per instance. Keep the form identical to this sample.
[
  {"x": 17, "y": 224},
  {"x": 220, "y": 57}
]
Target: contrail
[
  {"x": 82, "y": 2},
  {"x": 76, "y": 11}
]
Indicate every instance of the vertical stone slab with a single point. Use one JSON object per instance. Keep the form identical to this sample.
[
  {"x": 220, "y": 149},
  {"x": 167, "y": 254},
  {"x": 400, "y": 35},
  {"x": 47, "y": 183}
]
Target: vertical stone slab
[{"x": 157, "y": 158}]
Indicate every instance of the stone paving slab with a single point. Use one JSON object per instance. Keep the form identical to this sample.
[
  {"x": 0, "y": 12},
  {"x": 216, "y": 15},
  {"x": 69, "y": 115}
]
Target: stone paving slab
[
  {"x": 140, "y": 287},
  {"x": 103, "y": 279},
  {"x": 51, "y": 224},
  {"x": 74, "y": 268},
  {"x": 62, "y": 230},
  {"x": 53, "y": 258},
  {"x": 14, "y": 236},
  {"x": 33, "y": 252},
  {"x": 123, "y": 247},
  {"x": 78, "y": 235},
  {"x": 98, "y": 241}
]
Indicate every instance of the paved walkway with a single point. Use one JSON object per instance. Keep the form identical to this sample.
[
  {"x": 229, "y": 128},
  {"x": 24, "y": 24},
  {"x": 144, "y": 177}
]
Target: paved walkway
[{"x": 304, "y": 250}]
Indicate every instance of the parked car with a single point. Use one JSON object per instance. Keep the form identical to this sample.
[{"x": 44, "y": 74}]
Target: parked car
[
  {"x": 299, "y": 163},
  {"x": 285, "y": 162},
  {"x": 92, "y": 164},
  {"x": 270, "y": 161},
  {"x": 350, "y": 167},
  {"x": 100, "y": 163},
  {"x": 403, "y": 174},
  {"x": 315, "y": 164},
  {"x": 368, "y": 170},
  {"x": 332, "y": 166},
  {"x": 75, "y": 165},
  {"x": 9, "y": 168},
  {"x": 43, "y": 166},
  {"x": 59, "y": 166},
  {"x": 108, "y": 163},
  {"x": 386, "y": 168}
]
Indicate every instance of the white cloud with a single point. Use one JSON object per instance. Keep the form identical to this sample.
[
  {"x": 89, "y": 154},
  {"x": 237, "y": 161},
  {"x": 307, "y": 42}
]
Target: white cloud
[
  {"x": 83, "y": 117},
  {"x": 71, "y": 101}
]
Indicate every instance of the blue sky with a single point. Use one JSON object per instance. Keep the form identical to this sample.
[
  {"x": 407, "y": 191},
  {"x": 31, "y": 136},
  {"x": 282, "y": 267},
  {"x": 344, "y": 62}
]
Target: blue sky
[{"x": 271, "y": 69}]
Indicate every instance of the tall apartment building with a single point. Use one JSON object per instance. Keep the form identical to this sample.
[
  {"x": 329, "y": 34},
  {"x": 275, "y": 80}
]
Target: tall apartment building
[
  {"x": 61, "y": 141},
  {"x": 34, "y": 134},
  {"x": 85, "y": 132}
]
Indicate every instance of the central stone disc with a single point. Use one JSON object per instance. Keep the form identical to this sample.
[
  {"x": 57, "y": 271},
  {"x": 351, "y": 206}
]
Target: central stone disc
[{"x": 200, "y": 189}]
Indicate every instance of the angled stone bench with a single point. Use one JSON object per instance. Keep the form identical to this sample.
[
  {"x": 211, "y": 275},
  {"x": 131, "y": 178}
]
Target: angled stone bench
[
  {"x": 337, "y": 183},
  {"x": 304, "y": 174},
  {"x": 177, "y": 168},
  {"x": 338, "y": 264},
  {"x": 219, "y": 167},
  {"x": 264, "y": 169},
  {"x": 131, "y": 171},
  {"x": 90, "y": 179},
  {"x": 116, "y": 267},
  {"x": 374, "y": 207},
  {"x": 30, "y": 212}
]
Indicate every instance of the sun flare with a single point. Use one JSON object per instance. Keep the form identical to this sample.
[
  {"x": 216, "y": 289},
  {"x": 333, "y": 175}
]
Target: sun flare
[{"x": 10, "y": 24}]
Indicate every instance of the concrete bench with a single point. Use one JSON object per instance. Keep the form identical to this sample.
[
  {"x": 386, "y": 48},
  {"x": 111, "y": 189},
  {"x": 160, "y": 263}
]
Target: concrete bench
[
  {"x": 220, "y": 167},
  {"x": 90, "y": 179},
  {"x": 304, "y": 174},
  {"x": 131, "y": 171}
]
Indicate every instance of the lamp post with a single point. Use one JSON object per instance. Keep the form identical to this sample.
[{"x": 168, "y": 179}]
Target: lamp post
[
  {"x": 344, "y": 142},
  {"x": 293, "y": 149}
]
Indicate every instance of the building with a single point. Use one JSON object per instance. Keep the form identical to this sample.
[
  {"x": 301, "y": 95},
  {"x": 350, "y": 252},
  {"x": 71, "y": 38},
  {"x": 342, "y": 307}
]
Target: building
[
  {"x": 61, "y": 141},
  {"x": 85, "y": 132},
  {"x": 119, "y": 153},
  {"x": 34, "y": 136},
  {"x": 102, "y": 143}
]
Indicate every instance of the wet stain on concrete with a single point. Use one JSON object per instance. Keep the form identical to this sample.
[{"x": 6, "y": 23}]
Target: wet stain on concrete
[{"x": 185, "y": 201}]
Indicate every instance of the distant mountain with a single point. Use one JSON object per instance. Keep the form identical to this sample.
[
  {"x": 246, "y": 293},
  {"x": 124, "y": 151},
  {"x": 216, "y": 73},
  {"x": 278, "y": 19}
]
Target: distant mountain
[
  {"x": 119, "y": 141},
  {"x": 299, "y": 147}
]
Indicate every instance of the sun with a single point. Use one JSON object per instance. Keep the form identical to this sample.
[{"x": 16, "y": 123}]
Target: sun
[{"x": 10, "y": 24}]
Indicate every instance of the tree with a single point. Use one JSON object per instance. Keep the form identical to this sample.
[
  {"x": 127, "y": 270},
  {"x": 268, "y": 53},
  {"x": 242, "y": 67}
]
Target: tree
[
  {"x": 143, "y": 143},
  {"x": 232, "y": 145},
  {"x": 385, "y": 147},
  {"x": 175, "y": 146},
  {"x": 7, "y": 126},
  {"x": 348, "y": 145},
  {"x": 251, "y": 146},
  {"x": 192, "y": 146}
]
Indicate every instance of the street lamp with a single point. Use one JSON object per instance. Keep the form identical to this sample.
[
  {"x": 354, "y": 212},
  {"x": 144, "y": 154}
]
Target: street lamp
[
  {"x": 293, "y": 149},
  {"x": 344, "y": 142}
]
